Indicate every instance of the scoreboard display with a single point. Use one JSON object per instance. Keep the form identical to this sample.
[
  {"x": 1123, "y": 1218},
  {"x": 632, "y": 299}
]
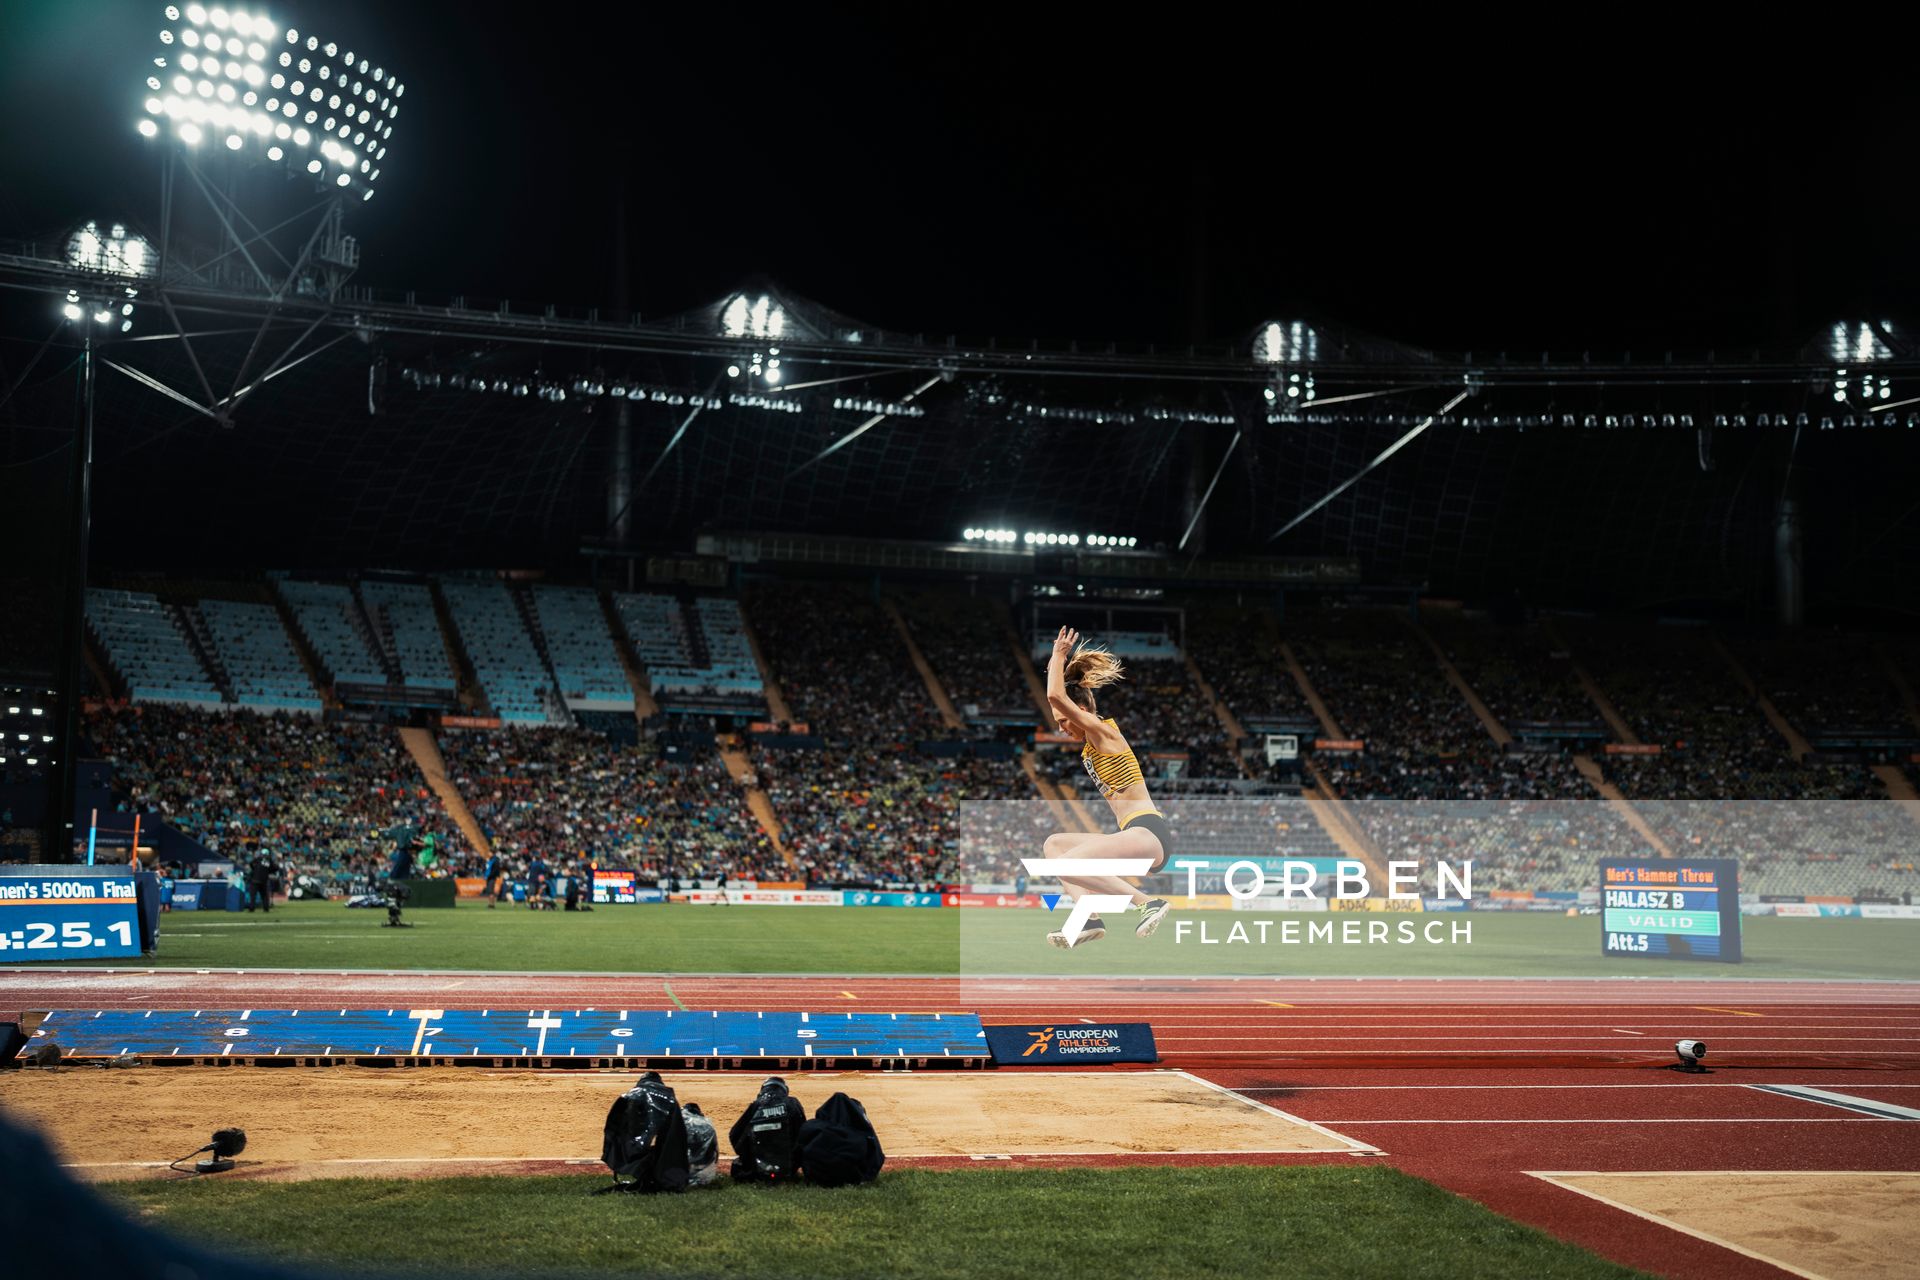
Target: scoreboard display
[
  {"x": 1673, "y": 908},
  {"x": 68, "y": 913}
]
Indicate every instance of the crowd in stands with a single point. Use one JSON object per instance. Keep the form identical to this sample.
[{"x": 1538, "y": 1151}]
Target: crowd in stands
[
  {"x": 1518, "y": 671},
  {"x": 327, "y": 799},
  {"x": 876, "y": 814},
  {"x": 1676, "y": 690},
  {"x": 1385, "y": 687},
  {"x": 564, "y": 794},
  {"x": 327, "y": 795},
  {"x": 1238, "y": 652},
  {"x": 841, "y": 663},
  {"x": 966, "y": 641},
  {"x": 1822, "y": 681}
]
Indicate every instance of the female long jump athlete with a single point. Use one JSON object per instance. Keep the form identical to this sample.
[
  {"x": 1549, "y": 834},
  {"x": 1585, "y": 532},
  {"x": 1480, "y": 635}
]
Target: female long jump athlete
[{"x": 1073, "y": 673}]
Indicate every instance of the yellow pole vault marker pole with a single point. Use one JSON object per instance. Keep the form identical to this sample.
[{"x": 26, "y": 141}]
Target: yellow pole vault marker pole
[
  {"x": 1276, "y": 1004},
  {"x": 1741, "y": 1013},
  {"x": 849, "y": 995}
]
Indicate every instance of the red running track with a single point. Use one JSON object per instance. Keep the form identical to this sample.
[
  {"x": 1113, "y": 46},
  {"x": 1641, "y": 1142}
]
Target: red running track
[
  {"x": 1352, "y": 1023},
  {"x": 1475, "y": 1084}
]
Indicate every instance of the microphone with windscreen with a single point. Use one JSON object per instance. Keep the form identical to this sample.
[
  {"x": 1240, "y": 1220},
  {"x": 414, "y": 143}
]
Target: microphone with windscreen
[{"x": 226, "y": 1144}]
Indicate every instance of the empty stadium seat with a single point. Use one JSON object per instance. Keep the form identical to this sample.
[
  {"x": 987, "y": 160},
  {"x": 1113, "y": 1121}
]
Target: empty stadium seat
[
  {"x": 325, "y": 613},
  {"x": 146, "y": 647},
  {"x": 262, "y": 667},
  {"x": 585, "y": 663},
  {"x": 509, "y": 668},
  {"x": 404, "y": 619}
]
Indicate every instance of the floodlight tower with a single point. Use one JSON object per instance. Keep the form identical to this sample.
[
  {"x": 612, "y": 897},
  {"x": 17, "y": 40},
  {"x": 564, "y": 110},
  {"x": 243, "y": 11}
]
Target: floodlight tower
[{"x": 229, "y": 92}]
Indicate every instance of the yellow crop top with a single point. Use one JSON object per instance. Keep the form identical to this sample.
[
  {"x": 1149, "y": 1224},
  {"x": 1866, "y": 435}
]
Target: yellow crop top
[{"x": 1113, "y": 771}]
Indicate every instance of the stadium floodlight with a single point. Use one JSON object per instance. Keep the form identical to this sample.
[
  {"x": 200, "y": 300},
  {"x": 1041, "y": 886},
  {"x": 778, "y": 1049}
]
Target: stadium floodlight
[
  {"x": 115, "y": 251},
  {"x": 227, "y": 50},
  {"x": 744, "y": 317},
  {"x": 1289, "y": 343}
]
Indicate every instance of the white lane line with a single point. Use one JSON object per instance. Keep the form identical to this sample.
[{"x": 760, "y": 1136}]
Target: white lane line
[
  {"x": 1354, "y": 1147},
  {"x": 1846, "y": 1101},
  {"x": 1558, "y": 1180},
  {"x": 1282, "y": 1037},
  {"x": 1354, "y": 1089},
  {"x": 1661, "y": 1120}
]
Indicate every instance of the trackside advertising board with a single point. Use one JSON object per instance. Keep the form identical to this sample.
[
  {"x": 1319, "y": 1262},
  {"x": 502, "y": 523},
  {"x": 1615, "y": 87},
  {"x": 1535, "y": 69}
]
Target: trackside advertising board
[{"x": 1062, "y": 1043}]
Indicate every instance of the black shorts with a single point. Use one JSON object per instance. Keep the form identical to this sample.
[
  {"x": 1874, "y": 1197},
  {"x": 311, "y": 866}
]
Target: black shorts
[{"x": 1156, "y": 823}]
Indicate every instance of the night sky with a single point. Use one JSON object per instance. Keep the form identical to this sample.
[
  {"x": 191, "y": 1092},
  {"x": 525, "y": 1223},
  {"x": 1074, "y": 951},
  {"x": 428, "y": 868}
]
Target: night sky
[{"x": 1084, "y": 175}]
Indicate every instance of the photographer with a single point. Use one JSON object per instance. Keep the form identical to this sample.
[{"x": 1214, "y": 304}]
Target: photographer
[
  {"x": 260, "y": 882},
  {"x": 406, "y": 847},
  {"x": 766, "y": 1136}
]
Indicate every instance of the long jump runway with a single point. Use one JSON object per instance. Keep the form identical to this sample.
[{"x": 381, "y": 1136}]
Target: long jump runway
[{"x": 1547, "y": 1099}]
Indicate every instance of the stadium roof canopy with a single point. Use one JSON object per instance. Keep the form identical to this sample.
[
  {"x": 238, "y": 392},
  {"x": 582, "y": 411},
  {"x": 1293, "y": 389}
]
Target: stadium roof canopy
[{"x": 335, "y": 426}]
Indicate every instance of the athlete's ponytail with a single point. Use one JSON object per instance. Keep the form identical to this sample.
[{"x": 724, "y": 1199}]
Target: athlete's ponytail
[{"x": 1089, "y": 669}]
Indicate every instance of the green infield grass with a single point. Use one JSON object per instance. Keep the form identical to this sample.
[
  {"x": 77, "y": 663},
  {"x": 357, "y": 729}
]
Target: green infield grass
[
  {"x": 1314, "y": 1220},
  {"x": 856, "y": 940}
]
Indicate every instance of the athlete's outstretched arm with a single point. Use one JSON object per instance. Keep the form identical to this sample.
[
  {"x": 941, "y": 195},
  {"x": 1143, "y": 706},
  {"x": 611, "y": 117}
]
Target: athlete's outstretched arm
[{"x": 1064, "y": 707}]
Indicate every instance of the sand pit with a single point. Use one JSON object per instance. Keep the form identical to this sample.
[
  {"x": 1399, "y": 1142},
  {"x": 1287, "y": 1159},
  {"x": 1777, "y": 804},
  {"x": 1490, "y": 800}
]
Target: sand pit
[
  {"x": 358, "y": 1122},
  {"x": 1841, "y": 1226}
]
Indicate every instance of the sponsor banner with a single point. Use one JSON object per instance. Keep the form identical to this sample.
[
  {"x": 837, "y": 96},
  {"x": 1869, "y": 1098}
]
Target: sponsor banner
[
  {"x": 468, "y": 886},
  {"x": 770, "y": 884},
  {"x": 1803, "y": 909},
  {"x": 1071, "y": 1044},
  {"x": 1515, "y": 895},
  {"x": 1443, "y": 904},
  {"x": 1206, "y": 902},
  {"x": 1633, "y": 749},
  {"x": 1048, "y": 738},
  {"x": 992, "y": 900},
  {"x": 872, "y": 898},
  {"x": 782, "y": 897},
  {"x": 1375, "y": 904},
  {"x": 186, "y": 895},
  {"x": 470, "y": 722},
  {"x": 799, "y": 728},
  {"x": 1561, "y": 895},
  {"x": 1757, "y": 908},
  {"x": 1267, "y": 902},
  {"x": 1888, "y": 911},
  {"x": 1339, "y": 744}
]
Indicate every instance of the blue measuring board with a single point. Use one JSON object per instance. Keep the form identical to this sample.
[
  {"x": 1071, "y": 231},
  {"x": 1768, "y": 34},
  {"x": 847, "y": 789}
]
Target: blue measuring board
[{"x": 511, "y": 1033}]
